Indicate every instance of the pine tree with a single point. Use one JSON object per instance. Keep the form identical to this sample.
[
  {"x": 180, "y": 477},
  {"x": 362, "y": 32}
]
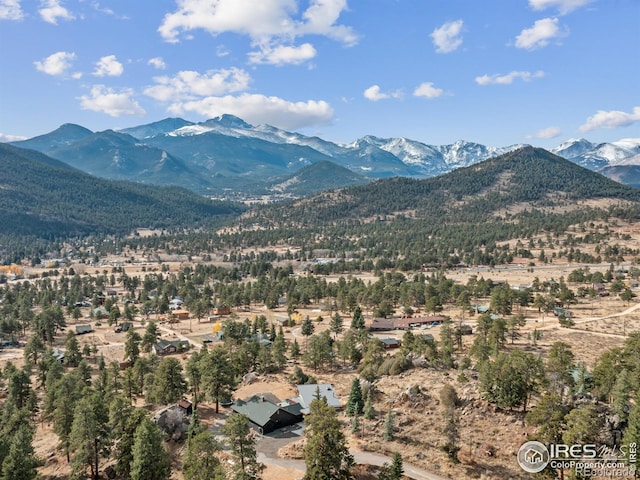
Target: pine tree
[
  {"x": 195, "y": 425},
  {"x": 132, "y": 346},
  {"x": 63, "y": 395},
  {"x": 369, "y": 411},
  {"x": 446, "y": 344},
  {"x": 355, "y": 424},
  {"x": 357, "y": 319},
  {"x": 295, "y": 350},
  {"x": 326, "y": 453},
  {"x": 19, "y": 388},
  {"x": 336, "y": 325},
  {"x": 150, "y": 337},
  {"x": 123, "y": 423},
  {"x": 150, "y": 459},
  {"x": 200, "y": 460},
  {"x": 242, "y": 446},
  {"x": 20, "y": 462},
  {"x": 169, "y": 383},
  {"x": 307, "y": 328},
  {"x": 393, "y": 471},
  {"x": 388, "y": 426},
  {"x": 219, "y": 376},
  {"x": 449, "y": 401},
  {"x": 397, "y": 468},
  {"x": 355, "y": 403},
  {"x": 548, "y": 416},
  {"x": 632, "y": 432},
  {"x": 582, "y": 425},
  {"x": 278, "y": 350},
  {"x": 89, "y": 435},
  {"x": 621, "y": 394},
  {"x": 72, "y": 355}
]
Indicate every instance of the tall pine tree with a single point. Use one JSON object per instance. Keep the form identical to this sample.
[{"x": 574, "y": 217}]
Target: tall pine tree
[
  {"x": 150, "y": 459},
  {"x": 326, "y": 453}
]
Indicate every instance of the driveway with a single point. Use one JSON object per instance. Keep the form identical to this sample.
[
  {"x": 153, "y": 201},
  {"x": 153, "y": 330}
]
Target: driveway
[{"x": 268, "y": 445}]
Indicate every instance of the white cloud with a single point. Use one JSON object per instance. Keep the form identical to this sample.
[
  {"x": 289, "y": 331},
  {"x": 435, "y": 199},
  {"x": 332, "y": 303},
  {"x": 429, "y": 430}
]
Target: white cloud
[
  {"x": 52, "y": 10},
  {"x": 189, "y": 85},
  {"x": 7, "y": 137},
  {"x": 11, "y": 10},
  {"x": 108, "y": 66},
  {"x": 268, "y": 23},
  {"x": 283, "y": 54},
  {"x": 427, "y": 90},
  {"x": 447, "y": 37},
  {"x": 508, "y": 79},
  {"x": 549, "y": 132},
  {"x": 374, "y": 94},
  {"x": 157, "y": 62},
  {"x": 56, "y": 64},
  {"x": 538, "y": 36},
  {"x": 107, "y": 100},
  {"x": 260, "y": 109},
  {"x": 610, "y": 119},
  {"x": 563, "y": 6},
  {"x": 321, "y": 17}
]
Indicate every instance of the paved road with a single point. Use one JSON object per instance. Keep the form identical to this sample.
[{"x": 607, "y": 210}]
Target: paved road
[{"x": 268, "y": 447}]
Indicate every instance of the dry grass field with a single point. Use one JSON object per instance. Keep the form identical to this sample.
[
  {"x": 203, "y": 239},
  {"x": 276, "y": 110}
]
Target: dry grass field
[{"x": 490, "y": 438}]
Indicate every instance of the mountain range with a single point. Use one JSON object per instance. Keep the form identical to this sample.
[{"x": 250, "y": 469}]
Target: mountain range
[
  {"x": 226, "y": 156},
  {"x": 518, "y": 194}
]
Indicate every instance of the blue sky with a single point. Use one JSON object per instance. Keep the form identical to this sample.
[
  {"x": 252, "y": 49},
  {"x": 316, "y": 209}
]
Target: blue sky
[{"x": 497, "y": 72}]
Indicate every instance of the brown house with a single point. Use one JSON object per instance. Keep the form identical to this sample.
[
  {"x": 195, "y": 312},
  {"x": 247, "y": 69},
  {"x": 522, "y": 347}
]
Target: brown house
[
  {"x": 166, "y": 347},
  {"x": 389, "y": 343},
  {"x": 180, "y": 315}
]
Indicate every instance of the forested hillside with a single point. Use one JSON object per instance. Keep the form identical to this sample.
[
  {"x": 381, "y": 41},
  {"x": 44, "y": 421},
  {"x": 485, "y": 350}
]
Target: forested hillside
[
  {"x": 46, "y": 198},
  {"x": 529, "y": 175},
  {"x": 460, "y": 216}
]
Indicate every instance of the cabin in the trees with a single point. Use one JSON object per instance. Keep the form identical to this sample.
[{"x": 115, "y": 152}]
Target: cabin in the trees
[
  {"x": 166, "y": 347},
  {"x": 178, "y": 315},
  {"x": 389, "y": 343},
  {"x": 266, "y": 413},
  {"x": 222, "y": 310}
]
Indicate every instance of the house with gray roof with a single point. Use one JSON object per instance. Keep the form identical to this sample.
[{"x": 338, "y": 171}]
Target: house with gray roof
[
  {"x": 81, "y": 329},
  {"x": 308, "y": 393}
]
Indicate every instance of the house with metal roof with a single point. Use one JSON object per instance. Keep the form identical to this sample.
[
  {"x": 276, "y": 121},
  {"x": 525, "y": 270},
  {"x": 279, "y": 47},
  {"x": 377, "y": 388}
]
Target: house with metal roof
[
  {"x": 265, "y": 415},
  {"x": 81, "y": 329},
  {"x": 308, "y": 393}
]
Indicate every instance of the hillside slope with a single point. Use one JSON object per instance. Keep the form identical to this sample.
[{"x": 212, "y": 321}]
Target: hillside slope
[
  {"x": 46, "y": 198},
  {"x": 529, "y": 176}
]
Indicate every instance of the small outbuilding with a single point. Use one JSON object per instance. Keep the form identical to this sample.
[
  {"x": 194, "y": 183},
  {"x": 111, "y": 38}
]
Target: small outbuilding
[{"x": 82, "y": 329}]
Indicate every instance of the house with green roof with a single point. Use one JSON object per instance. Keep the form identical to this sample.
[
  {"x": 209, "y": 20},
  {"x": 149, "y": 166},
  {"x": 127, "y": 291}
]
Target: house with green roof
[{"x": 265, "y": 415}]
